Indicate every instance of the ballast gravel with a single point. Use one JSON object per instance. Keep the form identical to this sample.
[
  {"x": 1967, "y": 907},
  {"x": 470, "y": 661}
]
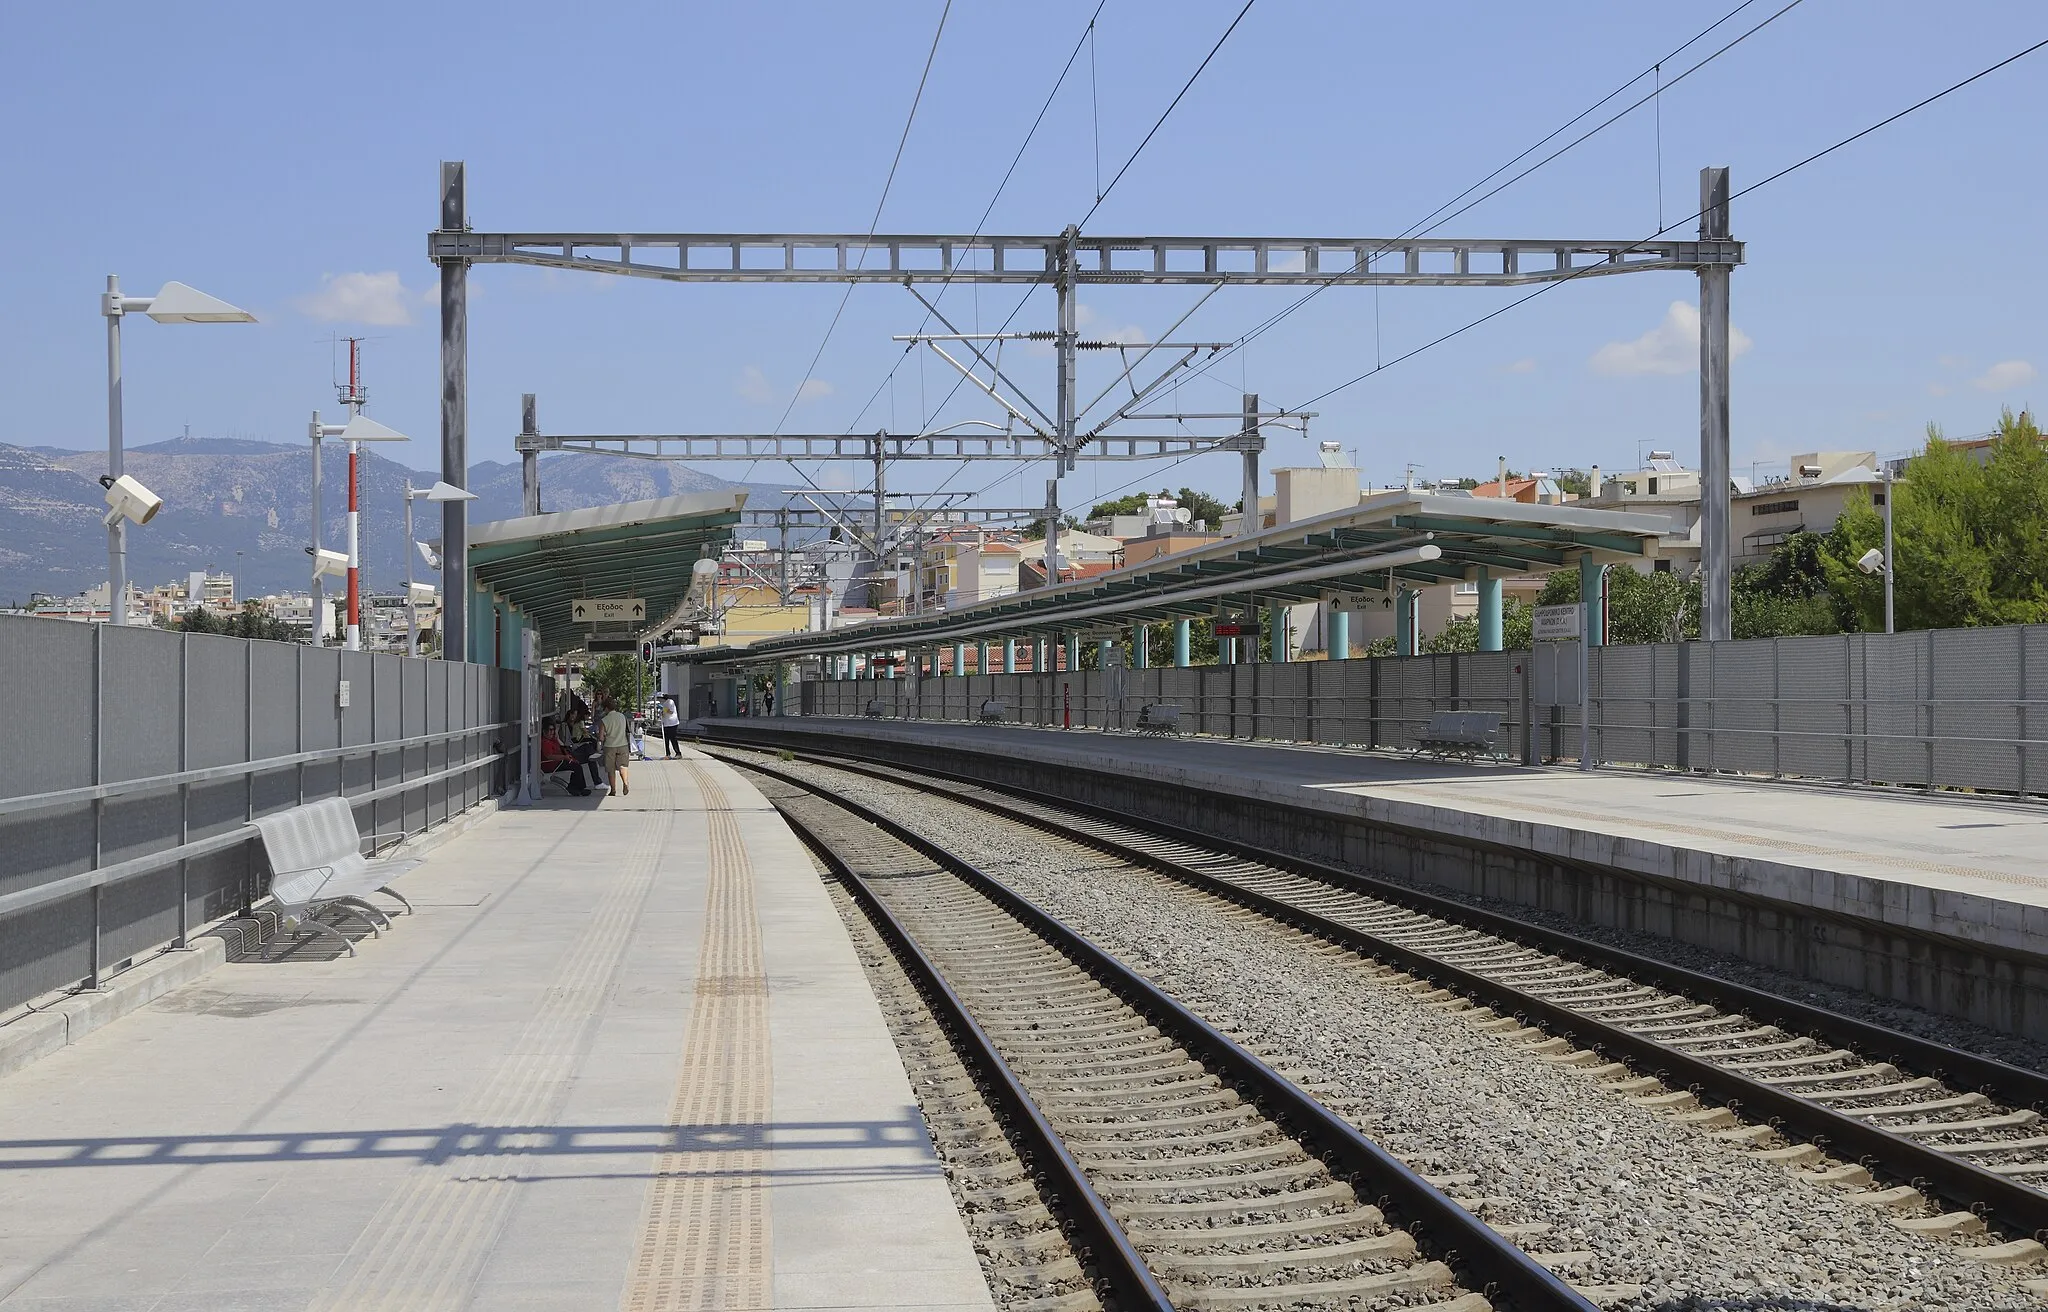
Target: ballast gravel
[{"x": 1694, "y": 1221}]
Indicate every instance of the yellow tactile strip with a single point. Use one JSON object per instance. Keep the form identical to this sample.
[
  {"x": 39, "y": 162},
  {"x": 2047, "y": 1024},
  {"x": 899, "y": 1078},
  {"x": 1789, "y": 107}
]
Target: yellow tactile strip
[
  {"x": 427, "y": 1244},
  {"x": 704, "y": 1240}
]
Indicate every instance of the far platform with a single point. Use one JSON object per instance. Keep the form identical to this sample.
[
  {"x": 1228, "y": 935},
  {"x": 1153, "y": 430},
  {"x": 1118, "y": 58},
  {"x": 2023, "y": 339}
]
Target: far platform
[
  {"x": 624, "y": 1056},
  {"x": 1965, "y": 870}
]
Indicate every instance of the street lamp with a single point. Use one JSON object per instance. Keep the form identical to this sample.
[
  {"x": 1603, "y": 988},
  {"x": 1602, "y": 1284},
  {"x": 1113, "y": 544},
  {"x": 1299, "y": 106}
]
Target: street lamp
[
  {"x": 175, "y": 303},
  {"x": 438, "y": 492},
  {"x": 359, "y": 429},
  {"x": 1874, "y": 561}
]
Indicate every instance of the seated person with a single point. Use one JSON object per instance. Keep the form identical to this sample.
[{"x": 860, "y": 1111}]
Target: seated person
[{"x": 556, "y": 755}]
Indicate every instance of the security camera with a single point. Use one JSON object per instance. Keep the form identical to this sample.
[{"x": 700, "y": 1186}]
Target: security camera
[
  {"x": 127, "y": 497},
  {"x": 1871, "y": 561},
  {"x": 327, "y": 564}
]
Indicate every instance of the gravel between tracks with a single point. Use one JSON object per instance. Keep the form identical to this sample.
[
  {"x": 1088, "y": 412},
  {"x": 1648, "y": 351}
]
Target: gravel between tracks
[{"x": 1695, "y": 1221}]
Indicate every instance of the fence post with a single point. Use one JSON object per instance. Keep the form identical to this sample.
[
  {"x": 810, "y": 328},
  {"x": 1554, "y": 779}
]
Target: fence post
[
  {"x": 99, "y": 804},
  {"x": 184, "y": 790},
  {"x": 1372, "y": 704}
]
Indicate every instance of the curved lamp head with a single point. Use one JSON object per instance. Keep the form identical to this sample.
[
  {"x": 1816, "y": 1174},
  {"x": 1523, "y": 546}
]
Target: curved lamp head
[
  {"x": 362, "y": 428},
  {"x": 177, "y": 303}
]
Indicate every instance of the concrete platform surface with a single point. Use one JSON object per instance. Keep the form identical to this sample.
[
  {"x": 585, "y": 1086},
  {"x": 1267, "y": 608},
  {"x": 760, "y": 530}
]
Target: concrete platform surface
[
  {"x": 1960, "y": 867},
  {"x": 622, "y": 1057}
]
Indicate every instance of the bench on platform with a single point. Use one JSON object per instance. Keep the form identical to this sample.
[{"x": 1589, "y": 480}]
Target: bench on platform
[
  {"x": 316, "y": 862},
  {"x": 991, "y": 712},
  {"x": 873, "y": 710},
  {"x": 1461, "y": 733},
  {"x": 1158, "y": 717}
]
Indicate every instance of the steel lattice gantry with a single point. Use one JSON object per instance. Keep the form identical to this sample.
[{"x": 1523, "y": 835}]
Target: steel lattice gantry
[{"x": 1069, "y": 261}]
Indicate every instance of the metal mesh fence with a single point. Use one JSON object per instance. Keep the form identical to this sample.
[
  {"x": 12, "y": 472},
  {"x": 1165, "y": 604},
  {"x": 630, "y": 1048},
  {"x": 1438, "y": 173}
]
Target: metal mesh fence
[
  {"x": 147, "y": 753},
  {"x": 1950, "y": 708}
]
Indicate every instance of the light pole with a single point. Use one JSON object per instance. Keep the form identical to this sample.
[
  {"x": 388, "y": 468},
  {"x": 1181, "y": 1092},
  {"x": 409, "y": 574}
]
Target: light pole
[
  {"x": 359, "y": 429},
  {"x": 438, "y": 492},
  {"x": 175, "y": 303},
  {"x": 1891, "y": 490}
]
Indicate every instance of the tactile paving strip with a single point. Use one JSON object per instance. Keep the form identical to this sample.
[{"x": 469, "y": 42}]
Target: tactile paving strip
[{"x": 704, "y": 1240}]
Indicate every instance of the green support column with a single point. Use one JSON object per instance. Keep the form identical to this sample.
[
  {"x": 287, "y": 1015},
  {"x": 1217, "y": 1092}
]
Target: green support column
[
  {"x": 1591, "y": 575},
  {"x": 1141, "y": 647},
  {"x": 1102, "y": 646},
  {"x": 959, "y": 658},
  {"x": 1041, "y": 655},
  {"x": 1009, "y": 655},
  {"x": 1489, "y": 611},
  {"x": 1276, "y": 623},
  {"x": 1074, "y": 652},
  {"x": 1340, "y": 634},
  {"x": 1181, "y": 631},
  {"x": 1406, "y": 642}
]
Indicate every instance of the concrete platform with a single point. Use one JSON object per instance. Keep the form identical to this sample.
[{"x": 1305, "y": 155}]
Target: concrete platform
[
  {"x": 1941, "y": 901},
  {"x": 622, "y": 1057}
]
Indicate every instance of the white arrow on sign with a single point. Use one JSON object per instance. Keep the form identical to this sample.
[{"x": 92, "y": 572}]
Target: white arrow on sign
[{"x": 593, "y": 610}]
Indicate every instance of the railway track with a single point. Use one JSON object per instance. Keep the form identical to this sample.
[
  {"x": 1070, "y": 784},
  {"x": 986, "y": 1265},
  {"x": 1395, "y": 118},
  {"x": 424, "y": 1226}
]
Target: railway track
[
  {"x": 1929, "y": 1119},
  {"x": 1189, "y": 1173}
]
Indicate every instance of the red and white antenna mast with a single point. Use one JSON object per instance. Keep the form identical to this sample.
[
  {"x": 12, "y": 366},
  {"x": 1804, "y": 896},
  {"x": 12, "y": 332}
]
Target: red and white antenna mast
[{"x": 354, "y": 397}]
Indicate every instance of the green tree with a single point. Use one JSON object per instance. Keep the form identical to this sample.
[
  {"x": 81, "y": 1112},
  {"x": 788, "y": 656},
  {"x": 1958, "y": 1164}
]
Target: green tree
[
  {"x": 1971, "y": 538},
  {"x": 1462, "y": 633},
  {"x": 618, "y": 676},
  {"x": 1640, "y": 607}
]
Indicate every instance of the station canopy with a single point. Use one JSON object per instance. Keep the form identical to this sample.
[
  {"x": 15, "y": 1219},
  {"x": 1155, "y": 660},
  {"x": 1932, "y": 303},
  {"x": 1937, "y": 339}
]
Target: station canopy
[
  {"x": 1389, "y": 540},
  {"x": 541, "y": 563}
]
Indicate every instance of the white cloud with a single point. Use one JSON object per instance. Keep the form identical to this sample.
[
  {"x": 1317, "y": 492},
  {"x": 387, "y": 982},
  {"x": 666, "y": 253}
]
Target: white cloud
[
  {"x": 2005, "y": 375},
  {"x": 372, "y": 298},
  {"x": 753, "y": 386},
  {"x": 1522, "y": 366},
  {"x": 1672, "y": 347},
  {"x": 1937, "y": 389}
]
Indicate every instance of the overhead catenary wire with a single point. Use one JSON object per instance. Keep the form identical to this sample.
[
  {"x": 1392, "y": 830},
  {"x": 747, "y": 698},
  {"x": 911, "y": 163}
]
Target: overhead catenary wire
[
  {"x": 896, "y": 161},
  {"x": 1458, "y": 203},
  {"x": 1103, "y": 194},
  {"x": 1789, "y": 169},
  {"x": 1453, "y": 207},
  {"x": 1086, "y": 37}
]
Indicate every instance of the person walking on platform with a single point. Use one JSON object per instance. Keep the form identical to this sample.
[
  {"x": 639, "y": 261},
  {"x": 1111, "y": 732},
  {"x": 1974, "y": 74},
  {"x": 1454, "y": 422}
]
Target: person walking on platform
[
  {"x": 618, "y": 748},
  {"x": 671, "y": 728}
]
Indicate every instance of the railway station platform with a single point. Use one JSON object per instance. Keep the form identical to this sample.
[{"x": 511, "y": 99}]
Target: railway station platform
[
  {"x": 1936, "y": 900},
  {"x": 623, "y": 1056}
]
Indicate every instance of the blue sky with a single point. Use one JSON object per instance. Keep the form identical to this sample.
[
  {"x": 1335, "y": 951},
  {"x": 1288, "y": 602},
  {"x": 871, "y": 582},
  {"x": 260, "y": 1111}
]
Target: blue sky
[{"x": 284, "y": 157}]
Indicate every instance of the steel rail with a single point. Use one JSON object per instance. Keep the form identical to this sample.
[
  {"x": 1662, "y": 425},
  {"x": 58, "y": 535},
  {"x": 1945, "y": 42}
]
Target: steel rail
[
  {"x": 2018, "y": 1205},
  {"x": 1104, "y": 1239},
  {"x": 1461, "y": 1238}
]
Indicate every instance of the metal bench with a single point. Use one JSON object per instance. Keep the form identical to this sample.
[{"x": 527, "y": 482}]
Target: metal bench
[
  {"x": 316, "y": 862},
  {"x": 873, "y": 710},
  {"x": 1465, "y": 734},
  {"x": 991, "y": 711},
  {"x": 1158, "y": 717}
]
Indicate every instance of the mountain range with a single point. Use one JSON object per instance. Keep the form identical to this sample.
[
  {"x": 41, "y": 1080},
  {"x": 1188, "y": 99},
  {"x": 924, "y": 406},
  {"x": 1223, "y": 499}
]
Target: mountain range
[{"x": 244, "y": 507}]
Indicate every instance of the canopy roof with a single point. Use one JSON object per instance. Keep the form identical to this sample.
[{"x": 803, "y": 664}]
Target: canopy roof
[
  {"x": 645, "y": 549},
  {"x": 1394, "y": 538}
]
